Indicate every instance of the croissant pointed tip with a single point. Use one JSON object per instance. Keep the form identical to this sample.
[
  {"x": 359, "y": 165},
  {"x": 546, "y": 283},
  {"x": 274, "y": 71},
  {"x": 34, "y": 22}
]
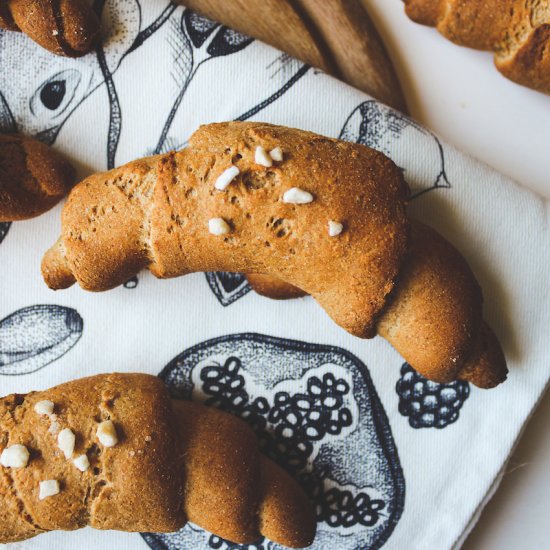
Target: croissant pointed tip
[{"x": 55, "y": 271}]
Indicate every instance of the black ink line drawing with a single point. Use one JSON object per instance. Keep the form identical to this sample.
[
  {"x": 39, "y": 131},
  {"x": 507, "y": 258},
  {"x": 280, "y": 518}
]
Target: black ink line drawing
[
  {"x": 226, "y": 286},
  {"x": 131, "y": 283},
  {"x": 380, "y": 127},
  {"x": 33, "y": 337},
  {"x": 4, "y": 228},
  {"x": 7, "y": 122},
  {"x": 56, "y": 98},
  {"x": 192, "y": 48},
  {"x": 317, "y": 413},
  {"x": 428, "y": 404},
  {"x": 276, "y": 95},
  {"x": 377, "y": 126}
]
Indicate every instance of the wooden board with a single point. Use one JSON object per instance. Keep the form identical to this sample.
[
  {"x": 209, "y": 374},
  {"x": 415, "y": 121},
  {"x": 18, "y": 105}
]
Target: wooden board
[{"x": 336, "y": 36}]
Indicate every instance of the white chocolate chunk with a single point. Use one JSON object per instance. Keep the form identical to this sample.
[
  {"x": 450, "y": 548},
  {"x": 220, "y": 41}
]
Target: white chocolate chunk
[
  {"x": 44, "y": 407},
  {"x": 276, "y": 154},
  {"x": 48, "y": 488},
  {"x": 106, "y": 433},
  {"x": 65, "y": 441},
  {"x": 262, "y": 158},
  {"x": 334, "y": 228},
  {"x": 295, "y": 195},
  {"x": 82, "y": 463},
  {"x": 218, "y": 226},
  {"x": 16, "y": 456},
  {"x": 226, "y": 177}
]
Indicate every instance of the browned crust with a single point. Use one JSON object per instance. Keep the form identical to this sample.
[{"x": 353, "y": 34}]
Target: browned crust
[
  {"x": 434, "y": 316},
  {"x": 272, "y": 287},
  {"x": 425, "y": 12},
  {"x": 286, "y": 515},
  {"x": 529, "y": 65},
  {"x": 222, "y": 471},
  {"x": 156, "y": 210},
  {"x": 33, "y": 178},
  {"x": 518, "y": 31},
  {"x": 175, "y": 460},
  {"x": 64, "y": 27},
  {"x": 134, "y": 486},
  {"x": 6, "y": 20}
]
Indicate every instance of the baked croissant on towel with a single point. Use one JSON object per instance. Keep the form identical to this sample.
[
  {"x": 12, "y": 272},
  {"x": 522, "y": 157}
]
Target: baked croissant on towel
[
  {"x": 33, "y": 178},
  {"x": 65, "y": 27},
  {"x": 327, "y": 216},
  {"x": 114, "y": 452},
  {"x": 518, "y": 31}
]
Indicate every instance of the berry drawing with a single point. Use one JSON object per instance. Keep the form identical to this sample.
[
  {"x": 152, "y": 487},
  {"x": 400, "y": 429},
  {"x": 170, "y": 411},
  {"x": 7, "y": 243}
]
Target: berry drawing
[
  {"x": 316, "y": 412},
  {"x": 428, "y": 404}
]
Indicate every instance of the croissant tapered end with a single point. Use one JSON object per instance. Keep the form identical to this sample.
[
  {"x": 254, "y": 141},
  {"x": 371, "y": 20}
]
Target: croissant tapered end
[
  {"x": 487, "y": 367},
  {"x": 286, "y": 516},
  {"x": 55, "y": 271},
  {"x": 273, "y": 288}
]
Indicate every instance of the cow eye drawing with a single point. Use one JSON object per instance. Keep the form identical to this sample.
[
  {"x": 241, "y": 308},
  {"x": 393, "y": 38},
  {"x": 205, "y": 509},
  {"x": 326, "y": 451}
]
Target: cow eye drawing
[{"x": 56, "y": 94}]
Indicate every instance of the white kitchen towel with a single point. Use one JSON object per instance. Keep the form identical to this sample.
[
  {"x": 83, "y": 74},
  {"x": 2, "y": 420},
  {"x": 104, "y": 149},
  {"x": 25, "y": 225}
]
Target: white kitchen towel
[{"x": 389, "y": 458}]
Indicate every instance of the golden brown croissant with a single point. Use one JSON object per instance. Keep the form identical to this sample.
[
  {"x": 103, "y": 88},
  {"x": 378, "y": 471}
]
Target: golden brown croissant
[
  {"x": 114, "y": 452},
  {"x": 33, "y": 178},
  {"x": 65, "y": 27},
  {"x": 518, "y": 31},
  {"x": 324, "y": 215}
]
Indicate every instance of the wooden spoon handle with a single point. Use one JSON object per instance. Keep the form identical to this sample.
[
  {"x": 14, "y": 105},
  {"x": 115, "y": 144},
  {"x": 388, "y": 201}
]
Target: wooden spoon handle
[{"x": 336, "y": 36}]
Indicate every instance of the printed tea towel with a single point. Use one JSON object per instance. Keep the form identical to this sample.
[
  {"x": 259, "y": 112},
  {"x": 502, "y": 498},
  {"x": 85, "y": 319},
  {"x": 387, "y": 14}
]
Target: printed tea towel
[{"x": 390, "y": 459}]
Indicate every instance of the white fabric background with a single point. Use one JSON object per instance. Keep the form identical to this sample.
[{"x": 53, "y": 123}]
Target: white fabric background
[{"x": 501, "y": 228}]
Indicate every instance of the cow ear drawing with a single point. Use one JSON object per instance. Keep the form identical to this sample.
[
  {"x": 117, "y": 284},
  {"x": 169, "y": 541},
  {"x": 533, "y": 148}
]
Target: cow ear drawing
[
  {"x": 227, "y": 287},
  {"x": 198, "y": 28},
  {"x": 227, "y": 41},
  {"x": 33, "y": 337}
]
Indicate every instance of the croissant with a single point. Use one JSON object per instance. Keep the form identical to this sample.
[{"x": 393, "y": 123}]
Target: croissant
[
  {"x": 114, "y": 452},
  {"x": 327, "y": 216},
  {"x": 65, "y": 27},
  {"x": 33, "y": 178},
  {"x": 518, "y": 31}
]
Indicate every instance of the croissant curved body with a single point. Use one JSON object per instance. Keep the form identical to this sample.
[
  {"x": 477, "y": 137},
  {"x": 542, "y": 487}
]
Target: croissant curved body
[
  {"x": 518, "y": 31},
  {"x": 347, "y": 243},
  {"x": 173, "y": 461}
]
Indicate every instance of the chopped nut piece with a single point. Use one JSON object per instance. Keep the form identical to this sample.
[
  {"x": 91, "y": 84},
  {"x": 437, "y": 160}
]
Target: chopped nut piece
[
  {"x": 295, "y": 195},
  {"x": 48, "y": 488},
  {"x": 218, "y": 226},
  {"x": 65, "y": 441},
  {"x": 335, "y": 228},
  {"x": 276, "y": 154},
  {"x": 106, "y": 433},
  {"x": 15, "y": 456},
  {"x": 54, "y": 425},
  {"x": 262, "y": 158},
  {"x": 226, "y": 177},
  {"x": 82, "y": 463},
  {"x": 44, "y": 407}
]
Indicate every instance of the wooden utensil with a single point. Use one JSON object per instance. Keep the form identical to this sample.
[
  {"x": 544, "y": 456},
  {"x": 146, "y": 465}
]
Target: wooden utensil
[{"x": 336, "y": 36}]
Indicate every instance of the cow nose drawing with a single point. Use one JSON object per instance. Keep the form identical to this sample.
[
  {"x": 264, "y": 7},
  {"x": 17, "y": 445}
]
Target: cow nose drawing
[
  {"x": 73, "y": 321},
  {"x": 33, "y": 337}
]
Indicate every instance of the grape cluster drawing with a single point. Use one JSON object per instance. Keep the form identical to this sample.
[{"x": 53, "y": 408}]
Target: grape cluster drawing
[{"x": 313, "y": 409}]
